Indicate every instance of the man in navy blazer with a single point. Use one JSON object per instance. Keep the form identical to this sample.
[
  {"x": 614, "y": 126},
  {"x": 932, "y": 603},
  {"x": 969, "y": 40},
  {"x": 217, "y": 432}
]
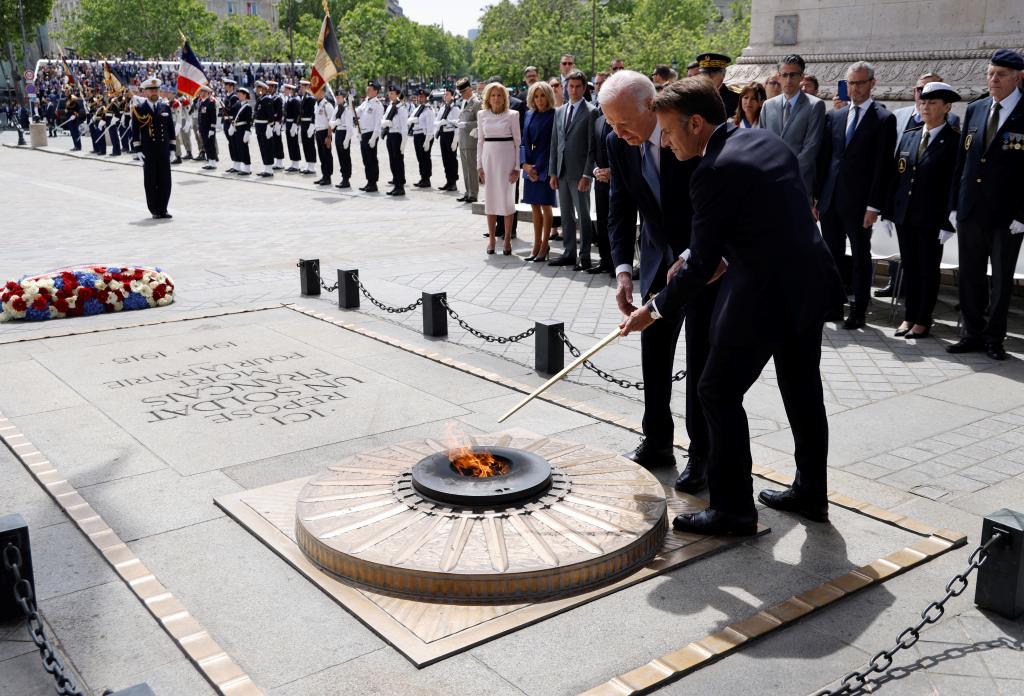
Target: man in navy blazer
[
  {"x": 855, "y": 160},
  {"x": 988, "y": 205},
  {"x": 647, "y": 179},
  {"x": 778, "y": 283}
]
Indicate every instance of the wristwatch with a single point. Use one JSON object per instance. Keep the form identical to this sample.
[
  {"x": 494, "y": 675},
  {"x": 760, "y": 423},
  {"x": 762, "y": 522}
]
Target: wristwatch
[{"x": 653, "y": 310}]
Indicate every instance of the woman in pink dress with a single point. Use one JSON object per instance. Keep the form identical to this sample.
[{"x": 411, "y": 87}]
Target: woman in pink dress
[{"x": 497, "y": 152}]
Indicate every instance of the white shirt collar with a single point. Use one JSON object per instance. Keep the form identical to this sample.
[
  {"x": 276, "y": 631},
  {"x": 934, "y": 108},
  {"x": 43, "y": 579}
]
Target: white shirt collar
[
  {"x": 1008, "y": 104},
  {"x": 720, "y": 126},
  {"x": 863, "y": 107}
]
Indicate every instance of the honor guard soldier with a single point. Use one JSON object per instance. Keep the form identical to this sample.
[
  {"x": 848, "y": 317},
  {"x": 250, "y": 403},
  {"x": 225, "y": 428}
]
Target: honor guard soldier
[
  {"x": 240, "y": 132},
  {"x": 323, "y": 114},
  {"x": 264, "y": 126},
  {"x": 306, "y": 130},
  {"x": 393, "y": 129},
  {"x": 69, "y": 118},
  {"x": 153, "y": 138},
  {"x": 113, "y": 120},
  {"x": 925, "y": 159},
  {"x": 207, "y": 118},
  {"x": 344, "y": 129},
  {"x": 447, "y": 125},
  {"x": 96, "y": 113},
  {"x": 277, "y": 139},
  {"x": 421, "y": 128},
  {"x": 125, "y": 132},
  {"x": 370, "y": 113},
  {"x": 987, "y": 205},
  {"x": 468, "y": 110},
  {"x": 227, "y": 117},
  {"x": 713, "y": 65},
  {"x": 292, "y": 106}
]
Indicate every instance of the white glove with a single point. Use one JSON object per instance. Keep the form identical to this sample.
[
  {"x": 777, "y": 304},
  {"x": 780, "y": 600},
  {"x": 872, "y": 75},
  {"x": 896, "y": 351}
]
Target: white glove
[
  {"x": 231, "y": 130},
  {"x": 455, "y": 144},
  {"x": 1017, "y": 227},
  {"x": 142, "y": 157},
  {"x": 412, "y": 120},
  {"x": 460, "y": 125},
  {"x": 373, "y": 139},
  {"x": 401, "y": 148},
  {"x": 310, "y": 131},
  {"x": 348, "y": 140},
  {"x": 945, "y": 236},
  {"x": 213, "y": 134},
  {"x": 386, "y": 123},
  {"x": 472, "y": 133},
  {"x": 295, "y": 129},
  {"x": 277, "y": 129},
  {"x": 428, "y": 143},
  {"x": 246, "y": 136},
  {"x": 333, "y": 123},
  {"x": 952, "y": 219}
]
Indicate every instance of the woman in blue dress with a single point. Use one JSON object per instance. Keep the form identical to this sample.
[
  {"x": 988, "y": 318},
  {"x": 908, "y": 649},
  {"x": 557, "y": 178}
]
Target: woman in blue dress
[{"x": 535, "y": 150}]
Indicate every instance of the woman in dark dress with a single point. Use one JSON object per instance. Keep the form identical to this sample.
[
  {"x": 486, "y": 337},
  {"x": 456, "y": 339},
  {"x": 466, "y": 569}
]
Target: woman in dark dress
[{"x": 535, "y": 150}]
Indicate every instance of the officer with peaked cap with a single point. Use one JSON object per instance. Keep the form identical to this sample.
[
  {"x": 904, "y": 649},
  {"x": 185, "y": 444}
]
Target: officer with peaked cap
[
  {"x": 307, "y": 109},
  {"x": 421, "y": 128},
  {"x": 227, "y": 118},
  {"x": 153, "y": 138},
  {"x": 240, "y": 131},
  {"x": 713, "y": 66},
  {"x": 344, "y": 130},
  {"x": 370, "y": 113},
  {"x": 277, "y": 136},
  {"x": 922, "y": 176},
  {"x": 987, "y": 205},
  {"x": 207, "y": 109},
  {"x": 292, "y": 107},
  {"x": 469, "y": 108}
]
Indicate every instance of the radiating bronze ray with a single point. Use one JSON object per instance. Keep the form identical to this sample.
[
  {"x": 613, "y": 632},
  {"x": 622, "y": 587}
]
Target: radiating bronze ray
[
  {"x": 346, "y": 482},
  {"x": 456, "y": 543},
  {"x": 586, "y": 460},
  {"x": 495, "y": 536},
  {"x": 390, "y": 512},
  {"x": 563, "y": 452},
  {"x": 341, "y": 512},
  {"x": 598, "y": 505},
  {"x": 344, "y": 468},
  {"x": 390, "y": 530},
  {"x": 416, "y": 542},
  {"x": 535, "y": 541},
  {"x": 572, "y": 536},
  {"x": 347, "y": 496},
  {"x": 588, "y": 519}
]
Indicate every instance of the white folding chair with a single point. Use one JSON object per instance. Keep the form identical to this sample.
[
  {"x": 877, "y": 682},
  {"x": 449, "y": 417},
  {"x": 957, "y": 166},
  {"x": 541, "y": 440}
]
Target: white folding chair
[{"x": 886, "y": 247}]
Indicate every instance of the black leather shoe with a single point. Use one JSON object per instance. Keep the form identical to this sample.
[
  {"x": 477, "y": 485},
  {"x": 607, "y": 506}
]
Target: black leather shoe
[
  {"x": 556, "y": 238},
  {"x": 651, "y": 456},
  {"x": 900, "y": 333},
  {"x": 995, "y": 351},
  {"x": 343, "y": 184},
  {"x": 853, "y": 322},
  {"x": 397, "y": 191},
  {"x": 789, "y": 501},
  {"x": 966, "y": 345},
  {"x": 563, "y": 261},
  {"x": 585, "y": 264},
  {"x": 600, "y": 268},
  {"x": 713, "y": 522},
  {"x": 471, "y": 199},
  {"x": 694, "y": 477},
  {"x": 462, "y": 199},
  {"x": 371, "y": 188},
  {"x": 884, "y": 292},
  {"x": 924, "y": 334}
]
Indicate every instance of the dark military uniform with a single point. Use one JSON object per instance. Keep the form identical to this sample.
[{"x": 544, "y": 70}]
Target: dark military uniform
[
  {"x": 292, "y": 107},
  {"x": 242, "y": 123},
  {"x": 153, "y": 136},
  {"x": 70, "y": 119},
  {"x": 207, "y": 112},
  {"x": 278, "y": 138},
  {"x": 227, "y": 116},
  {"x": 306, "y": 111},
  {"x": 110, "y": 123},
  {"x": 264, "y": 135}
]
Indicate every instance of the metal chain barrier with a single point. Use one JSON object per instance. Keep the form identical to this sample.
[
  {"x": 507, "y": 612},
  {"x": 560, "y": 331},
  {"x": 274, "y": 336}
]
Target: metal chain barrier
[
  {"x": 480, "y": 334},
  {"x": 855, "y": 682},
  {"x": 377, "y": 303},
  {"x": 624, "y": 383},
  {"x": 23, "y": 595}
]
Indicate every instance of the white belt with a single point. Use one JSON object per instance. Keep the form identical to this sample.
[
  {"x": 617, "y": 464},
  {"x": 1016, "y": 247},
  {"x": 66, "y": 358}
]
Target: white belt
[
  {"x": 260, "y": 121},
  {"x": 306, "y": 120}
]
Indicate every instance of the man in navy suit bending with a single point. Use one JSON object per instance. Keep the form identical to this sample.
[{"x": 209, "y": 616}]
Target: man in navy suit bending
[{"x": 778, "y": 282}]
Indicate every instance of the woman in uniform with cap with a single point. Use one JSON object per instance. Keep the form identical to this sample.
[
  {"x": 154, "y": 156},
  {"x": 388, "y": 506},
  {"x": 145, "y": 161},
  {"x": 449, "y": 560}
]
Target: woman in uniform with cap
[
  {"x": 239, "y": 132},
  {"x": 924, "y": 164}
]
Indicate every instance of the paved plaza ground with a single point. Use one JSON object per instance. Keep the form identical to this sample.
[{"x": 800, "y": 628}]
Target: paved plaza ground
[{"x": 914, "y": 430}]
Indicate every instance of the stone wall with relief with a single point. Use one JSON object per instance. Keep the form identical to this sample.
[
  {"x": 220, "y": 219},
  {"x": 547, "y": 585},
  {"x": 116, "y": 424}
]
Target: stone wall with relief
[{"x": 903, "y": 39}]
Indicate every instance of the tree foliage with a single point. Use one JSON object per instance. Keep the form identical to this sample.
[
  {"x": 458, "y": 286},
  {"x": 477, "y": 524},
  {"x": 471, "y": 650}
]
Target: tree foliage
[
  {"x": 114, "y": 27},
  {"x": 644, "y": 33},
  {"x": 35, "y": 13}
]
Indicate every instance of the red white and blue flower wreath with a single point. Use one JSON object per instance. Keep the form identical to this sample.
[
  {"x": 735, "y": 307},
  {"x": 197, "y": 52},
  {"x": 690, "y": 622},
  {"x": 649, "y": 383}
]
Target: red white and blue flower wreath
[{"x": 85, "y": 291}]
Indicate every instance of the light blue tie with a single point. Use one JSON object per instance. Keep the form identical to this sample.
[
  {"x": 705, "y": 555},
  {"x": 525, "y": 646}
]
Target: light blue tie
[
  {"x": 650, "y": 171},
  {"x": 853, "y": 124}
]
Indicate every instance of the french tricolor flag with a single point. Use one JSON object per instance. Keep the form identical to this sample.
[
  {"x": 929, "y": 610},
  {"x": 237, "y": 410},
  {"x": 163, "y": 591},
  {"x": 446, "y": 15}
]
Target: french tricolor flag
[{"x": 190, "y": 75}]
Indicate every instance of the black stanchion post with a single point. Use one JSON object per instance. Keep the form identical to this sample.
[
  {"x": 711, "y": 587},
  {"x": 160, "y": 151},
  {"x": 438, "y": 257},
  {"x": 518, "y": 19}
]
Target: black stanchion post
[
  {"x": 309, "y": 276},
  {"x": 13, "y": 530},
  {"x": 1001, "y": 577},
  {"x": 549, "y": 352},
  {"x": 435, "y": 318},
  {"x": 348, "y": 288}
]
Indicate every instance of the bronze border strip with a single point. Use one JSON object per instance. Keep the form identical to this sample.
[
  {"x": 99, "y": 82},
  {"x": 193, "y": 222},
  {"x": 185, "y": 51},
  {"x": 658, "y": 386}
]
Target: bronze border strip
[
  {"x": 219, "y": 668},
  {"x": 867, "y": 509},
  {"x": 701, "y": 653}
]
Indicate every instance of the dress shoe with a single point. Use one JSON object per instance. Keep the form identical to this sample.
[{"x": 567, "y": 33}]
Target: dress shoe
[
  {"x": 462, "y": 199},
  {"x": 711, "y": 522},
  {"x": 651, "y": 456},
  {"x": 923, "y": 334},
  {"x": 884, "y": 292},
  {"x": 306, "y": 172},
  {"x": 371, "y": 188},
  {"x": 790, "y": 501},
  {"x": 277, "y": 167},
  {"x": 187, "y": 157},
  {"x": 243, "y": 173},
  {"x": 563, "y": 261},
  {"x": 540, "y": 259},
  {"x": 966, "y": 345},
  {"x": 853, "y": 322},
  {"x": 230, "y": 170},
  {"x": 585, "y": 264},
  {"x": 176, "y": 160},
  {"x": 397, "y": 191},
  {"x": 264, "y": 174},
  {"x": 529, "y": 258},
  {"x": 995, "y": 350},
  {"x": 471, "y": 199},
  {"x": 900, "y": 333},
  {"x": 208, "y": 166},
  {"x": 694, "y": 477},
  {"x": 423, "y": 183},
  {"x": 291, "y": 169},
  {"x": 344, "y": 184},
  {"x": 555, "y": 238},
  {"x": 600, "y": 268}
]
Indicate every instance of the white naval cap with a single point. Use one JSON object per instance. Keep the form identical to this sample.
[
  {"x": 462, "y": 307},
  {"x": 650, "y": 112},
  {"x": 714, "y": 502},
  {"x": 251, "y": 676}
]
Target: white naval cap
[
  {"x": 150, "y": 83},
  {"x": 261, "y": 83}
]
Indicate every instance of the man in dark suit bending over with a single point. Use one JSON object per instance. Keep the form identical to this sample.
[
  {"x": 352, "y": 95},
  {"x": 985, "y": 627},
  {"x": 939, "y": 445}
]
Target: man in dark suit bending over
[{"x": 779, "y": 281}]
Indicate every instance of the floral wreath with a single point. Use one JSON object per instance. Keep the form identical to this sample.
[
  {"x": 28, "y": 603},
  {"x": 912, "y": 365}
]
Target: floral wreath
[{"x": 84, "y": 291}]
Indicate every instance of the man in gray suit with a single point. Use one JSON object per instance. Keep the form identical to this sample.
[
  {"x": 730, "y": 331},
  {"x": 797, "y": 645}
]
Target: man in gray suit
[
  {"x": 469, "y": 108},
  {"x": 572, "y": 166},
  {"x": 797, "y": 118}
]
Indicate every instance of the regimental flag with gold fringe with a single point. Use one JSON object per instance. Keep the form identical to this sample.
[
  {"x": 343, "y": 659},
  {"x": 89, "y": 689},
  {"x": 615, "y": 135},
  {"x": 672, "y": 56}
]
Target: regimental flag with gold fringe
[
  {"x": 327, "y": 63},
  {"x": 67, "y": 71},
  {"x": 113, "y": 79}
]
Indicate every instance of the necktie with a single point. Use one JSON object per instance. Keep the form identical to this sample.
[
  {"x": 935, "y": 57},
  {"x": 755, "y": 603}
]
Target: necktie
[
  {"x": 568, "y": 117},
  {"x": 993, "y": 124},
  {"x": 785, "y": 115},
  {"x": 923, "y": 146},
  {"x": 852, "y": 128},
  {"x": 650, "y": 172}
]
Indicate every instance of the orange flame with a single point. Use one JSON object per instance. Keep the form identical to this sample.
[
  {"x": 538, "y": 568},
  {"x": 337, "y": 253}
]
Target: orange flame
[{"x": 466, "y": 461}]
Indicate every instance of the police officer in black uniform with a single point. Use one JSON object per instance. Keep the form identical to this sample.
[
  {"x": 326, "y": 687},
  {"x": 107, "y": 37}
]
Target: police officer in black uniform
[
  {"x": 924, "y": 164},
  {"x": 153, "y": 138},
  {"x": 207, "y": 118},
  {"x": 713, "y": 66}
]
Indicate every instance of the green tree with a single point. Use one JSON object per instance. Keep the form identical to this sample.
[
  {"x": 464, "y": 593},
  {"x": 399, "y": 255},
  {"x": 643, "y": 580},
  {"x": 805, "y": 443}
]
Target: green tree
[
  {"x": 249, "y": 38},
  {"x": 148, "y": 28},
  {"x": 35, "y": 13}
]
